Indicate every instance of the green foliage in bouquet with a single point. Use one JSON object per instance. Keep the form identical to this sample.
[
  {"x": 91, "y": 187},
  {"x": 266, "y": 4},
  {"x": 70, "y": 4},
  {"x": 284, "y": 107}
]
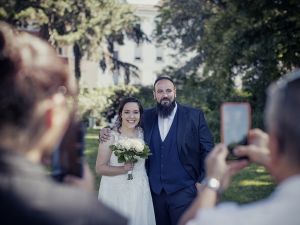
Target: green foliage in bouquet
[{"x": 130, "y": 149}]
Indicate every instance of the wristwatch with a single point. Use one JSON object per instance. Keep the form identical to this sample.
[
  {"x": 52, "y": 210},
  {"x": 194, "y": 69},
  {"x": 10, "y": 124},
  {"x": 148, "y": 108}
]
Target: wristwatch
[{"x": 212, "y": 183}]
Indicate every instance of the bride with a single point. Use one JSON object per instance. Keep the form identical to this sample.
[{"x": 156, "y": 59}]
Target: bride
[{"x": 132, "y": 198}]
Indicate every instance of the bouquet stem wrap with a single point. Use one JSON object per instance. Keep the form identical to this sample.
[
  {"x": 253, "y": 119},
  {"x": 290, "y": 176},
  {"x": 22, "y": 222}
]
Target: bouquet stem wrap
[{"x": 130, "y": 176}]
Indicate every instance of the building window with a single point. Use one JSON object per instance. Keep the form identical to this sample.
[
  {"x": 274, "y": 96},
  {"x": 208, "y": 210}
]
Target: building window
[
  {"x": 159, "y": 54},
  {"x": 138, "y": 52}
]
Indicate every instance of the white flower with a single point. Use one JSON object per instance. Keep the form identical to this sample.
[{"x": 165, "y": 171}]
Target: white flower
[
  {"x": 138, "y": 145},
  {"x": 119, "y": 146},
  {"x": 125, "y": 144},
  {"x": 131, "y": 143}
]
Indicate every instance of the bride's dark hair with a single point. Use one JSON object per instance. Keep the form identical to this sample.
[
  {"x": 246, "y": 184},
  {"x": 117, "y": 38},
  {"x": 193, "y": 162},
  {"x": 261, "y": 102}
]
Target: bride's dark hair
[{"x": 120, "y": 109}]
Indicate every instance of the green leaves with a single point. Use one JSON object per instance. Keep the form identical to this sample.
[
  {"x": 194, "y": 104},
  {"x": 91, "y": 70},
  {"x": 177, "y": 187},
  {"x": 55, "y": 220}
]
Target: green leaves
[
  {"x": 87, "y": 22},
  {"x": 255, "y": 40}
]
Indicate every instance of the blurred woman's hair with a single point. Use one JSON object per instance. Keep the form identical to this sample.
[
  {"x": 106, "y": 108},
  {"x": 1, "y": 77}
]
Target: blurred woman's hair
[{"x": 30, "y": 71}]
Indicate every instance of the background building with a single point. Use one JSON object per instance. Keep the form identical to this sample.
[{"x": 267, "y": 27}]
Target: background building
[{"x": 149, "y": 57}]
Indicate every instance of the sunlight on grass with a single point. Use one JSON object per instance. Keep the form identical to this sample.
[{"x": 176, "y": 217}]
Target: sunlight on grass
[
  {"x": 89, "y": 152},
  {"x": 92, "y": 134},
  {"x": 260, "y": 170},
  {"x": 254, "y": 183}
]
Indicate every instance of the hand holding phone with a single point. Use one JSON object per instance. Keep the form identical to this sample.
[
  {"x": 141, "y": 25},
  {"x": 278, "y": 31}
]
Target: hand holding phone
[{"x": 235, "y": 125}]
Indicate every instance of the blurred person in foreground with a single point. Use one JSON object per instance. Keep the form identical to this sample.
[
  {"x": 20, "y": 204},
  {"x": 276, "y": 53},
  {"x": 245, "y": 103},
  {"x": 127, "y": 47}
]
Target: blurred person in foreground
[
  {"x": 278, "y": 151},
  {"x": 37, "y": 97}
]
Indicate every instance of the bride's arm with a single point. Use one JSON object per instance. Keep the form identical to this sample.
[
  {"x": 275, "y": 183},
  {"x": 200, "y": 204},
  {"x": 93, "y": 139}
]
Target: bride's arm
[{"x": 102, "y": 162}]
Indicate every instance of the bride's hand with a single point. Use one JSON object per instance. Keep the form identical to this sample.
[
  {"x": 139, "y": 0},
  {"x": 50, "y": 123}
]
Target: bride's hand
[{"x": 128, "y": 167}]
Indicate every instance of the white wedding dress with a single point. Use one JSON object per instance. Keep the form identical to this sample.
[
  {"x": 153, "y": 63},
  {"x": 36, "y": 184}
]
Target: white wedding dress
[{"x": 131, "y": 198}]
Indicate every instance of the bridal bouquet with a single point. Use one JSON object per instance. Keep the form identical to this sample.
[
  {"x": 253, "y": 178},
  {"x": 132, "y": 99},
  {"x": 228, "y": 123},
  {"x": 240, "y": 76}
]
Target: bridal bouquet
[{"x": 129, "y": 150}]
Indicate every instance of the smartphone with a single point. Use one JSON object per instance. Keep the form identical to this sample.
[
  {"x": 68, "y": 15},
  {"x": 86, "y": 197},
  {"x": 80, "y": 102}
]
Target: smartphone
[
  {"x": 235, "y": 125},
  {"x": 67, "y": 159}
]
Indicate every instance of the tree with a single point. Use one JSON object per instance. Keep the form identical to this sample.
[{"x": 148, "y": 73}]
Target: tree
[
  {"x": 85, "y": 24},
  {"x": 110, "y": 60},
  {"x": 257, "y": 40}
]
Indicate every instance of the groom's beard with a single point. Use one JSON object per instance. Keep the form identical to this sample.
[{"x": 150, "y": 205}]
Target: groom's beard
[{"x": 164, "y": 110}]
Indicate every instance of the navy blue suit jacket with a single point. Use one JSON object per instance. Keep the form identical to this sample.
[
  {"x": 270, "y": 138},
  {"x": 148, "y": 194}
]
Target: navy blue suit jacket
[{"x": 194, "y": 139}]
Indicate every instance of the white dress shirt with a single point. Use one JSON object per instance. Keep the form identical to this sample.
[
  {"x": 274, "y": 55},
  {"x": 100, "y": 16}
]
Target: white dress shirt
[
  {"x": 282, "y": 207},
  {"x": 164, "y": 124}
]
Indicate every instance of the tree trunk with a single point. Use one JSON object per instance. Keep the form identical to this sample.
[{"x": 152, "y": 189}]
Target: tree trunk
[
  {"x": 77, "y": 59},
  {"x": 127, "y": 76}
]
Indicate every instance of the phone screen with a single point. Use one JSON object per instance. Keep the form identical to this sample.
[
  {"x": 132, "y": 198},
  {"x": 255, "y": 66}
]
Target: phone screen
[{"x": 235, "y": 123}]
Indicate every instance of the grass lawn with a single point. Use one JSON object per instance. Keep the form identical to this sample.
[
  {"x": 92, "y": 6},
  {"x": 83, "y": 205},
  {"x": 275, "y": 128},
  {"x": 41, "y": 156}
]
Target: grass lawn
[
  {"x": 251, "y": 184},
  {"x": 91, "y": 150}
]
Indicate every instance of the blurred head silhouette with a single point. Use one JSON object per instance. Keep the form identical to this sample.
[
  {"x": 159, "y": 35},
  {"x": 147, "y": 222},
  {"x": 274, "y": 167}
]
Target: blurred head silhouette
[
  {"x": 281, "y": 117},
  {"x": 36, "y": 94}
]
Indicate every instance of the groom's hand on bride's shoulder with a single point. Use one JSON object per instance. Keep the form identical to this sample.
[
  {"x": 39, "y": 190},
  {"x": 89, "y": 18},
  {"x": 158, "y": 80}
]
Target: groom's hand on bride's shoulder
[{"x": 104, "y": 134}]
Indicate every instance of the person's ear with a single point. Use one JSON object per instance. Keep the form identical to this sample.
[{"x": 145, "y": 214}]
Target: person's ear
[
  {"x": 56, "y": 119},
  {"x": 44, "y": 111},
  {"x": 154, "y": 95}
]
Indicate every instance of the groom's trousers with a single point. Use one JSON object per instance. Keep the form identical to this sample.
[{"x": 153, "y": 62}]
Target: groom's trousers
[{"x": 169, "y": 208}]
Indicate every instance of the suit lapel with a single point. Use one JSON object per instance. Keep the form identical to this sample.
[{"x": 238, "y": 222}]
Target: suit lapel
[
  {"x": 150, "y": 120},
  {"x": 181, "y": 125}
]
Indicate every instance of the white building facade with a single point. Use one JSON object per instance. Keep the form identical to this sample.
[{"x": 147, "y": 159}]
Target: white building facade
[{"x": 149, "y": 57}]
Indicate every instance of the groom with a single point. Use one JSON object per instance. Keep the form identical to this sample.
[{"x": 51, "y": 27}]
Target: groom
[{"x": 179, "y": 139}]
